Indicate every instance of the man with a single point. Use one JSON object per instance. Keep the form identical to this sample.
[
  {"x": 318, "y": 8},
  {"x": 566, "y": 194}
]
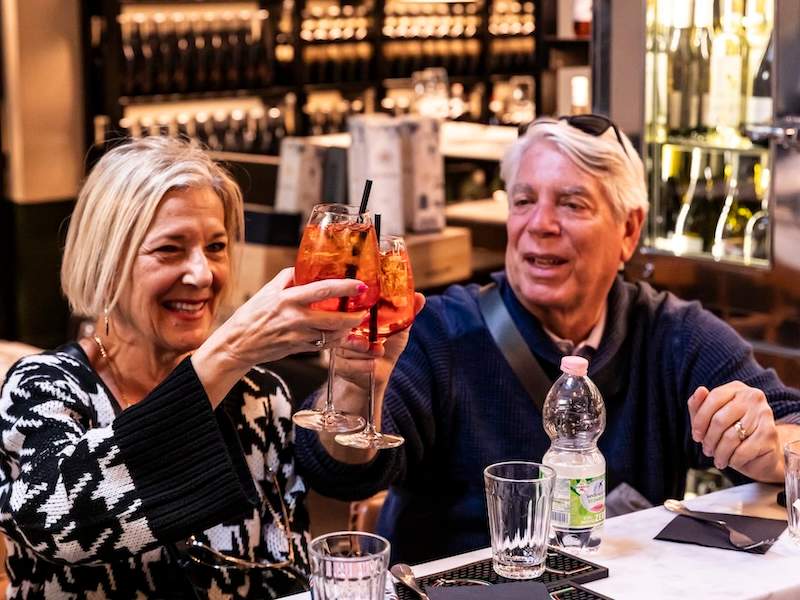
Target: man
[{"x": 681, "y": 388}]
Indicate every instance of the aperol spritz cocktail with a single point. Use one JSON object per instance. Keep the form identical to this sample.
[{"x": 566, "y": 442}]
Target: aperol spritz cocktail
[
  {"x": 338, "y": 242},
  {"x": 395, "y": 312},
  {"x": 396, "y": 302}
]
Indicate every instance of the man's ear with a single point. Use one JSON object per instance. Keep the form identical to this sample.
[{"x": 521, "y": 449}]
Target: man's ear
[{"x": 633, "y": 229}]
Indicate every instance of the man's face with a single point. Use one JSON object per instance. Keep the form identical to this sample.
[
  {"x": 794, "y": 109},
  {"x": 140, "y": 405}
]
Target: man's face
[{"x": 564, "y": 243}]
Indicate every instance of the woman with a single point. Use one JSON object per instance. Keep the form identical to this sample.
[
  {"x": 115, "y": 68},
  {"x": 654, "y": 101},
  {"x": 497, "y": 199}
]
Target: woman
[{"x": 135, "y": 462}]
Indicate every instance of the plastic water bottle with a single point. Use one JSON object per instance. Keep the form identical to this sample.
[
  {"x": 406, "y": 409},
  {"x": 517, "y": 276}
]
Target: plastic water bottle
[{"x": 574, "y": 417}]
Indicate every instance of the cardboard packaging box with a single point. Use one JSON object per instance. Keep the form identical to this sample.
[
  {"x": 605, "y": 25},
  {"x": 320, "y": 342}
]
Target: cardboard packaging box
[
  {"x": 310, "y": 172},
  {"x": 403, "y": 159}
]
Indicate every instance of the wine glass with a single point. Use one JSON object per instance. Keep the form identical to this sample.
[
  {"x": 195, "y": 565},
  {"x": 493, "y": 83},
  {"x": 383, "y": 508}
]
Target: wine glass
[
  {"x": 338, "y": 242},
  {"x": 393, "y": 313}
]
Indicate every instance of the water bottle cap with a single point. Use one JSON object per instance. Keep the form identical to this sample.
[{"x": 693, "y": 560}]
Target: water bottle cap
[{"x": 575, "y": 365}]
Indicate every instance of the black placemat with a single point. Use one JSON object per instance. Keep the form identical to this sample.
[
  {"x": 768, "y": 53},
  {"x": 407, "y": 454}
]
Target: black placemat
[
  {"x": 691, "y": 531},
  {"x": 519, "y": 590},
  {"x": 563, "y": 571}
]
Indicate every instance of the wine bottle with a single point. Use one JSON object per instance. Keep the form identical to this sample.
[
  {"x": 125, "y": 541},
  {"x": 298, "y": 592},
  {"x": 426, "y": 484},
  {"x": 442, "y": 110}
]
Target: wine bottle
[
  {"x": 728, "y": 57},
  {"x": 183, "y": 53},
  {"x": 757, "y": 241},
  {"x": 694, "y": 226},
  {"x": 128, "y": 55},
  {"x": 660, "y": 69},
  {"x": 683, "y": 101},
  {"x": 700, "y": 69},
  {"x": 649, "y": 67},
  {"x": 729, "y": 232},
  {"x": 167, "y": 43},
  {"x": 759, "y": 101}
]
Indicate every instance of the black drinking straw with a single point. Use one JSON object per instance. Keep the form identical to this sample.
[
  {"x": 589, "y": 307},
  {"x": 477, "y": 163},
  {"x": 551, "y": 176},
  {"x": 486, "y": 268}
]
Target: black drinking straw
[
  {"x": 352, "y": 268},
  {"x": 365, "y": 197},
  {"x": 373, "y": 310}
]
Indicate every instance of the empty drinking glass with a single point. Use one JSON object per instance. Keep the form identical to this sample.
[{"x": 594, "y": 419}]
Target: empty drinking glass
[
  {"x": 349, "y": 566},
  {"x": 519, "y": 496},
  {"x": 792, "y": 455}
]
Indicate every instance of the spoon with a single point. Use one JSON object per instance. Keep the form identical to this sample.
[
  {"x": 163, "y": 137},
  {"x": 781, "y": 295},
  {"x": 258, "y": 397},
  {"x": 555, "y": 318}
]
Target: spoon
[
  {"x": 736, "y": 537},
  {"x": 405, "y": 575}
]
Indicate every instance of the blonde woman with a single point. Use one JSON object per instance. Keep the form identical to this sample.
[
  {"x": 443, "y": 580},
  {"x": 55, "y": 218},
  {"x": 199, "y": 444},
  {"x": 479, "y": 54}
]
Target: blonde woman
[{"x": 154, "y": 459}]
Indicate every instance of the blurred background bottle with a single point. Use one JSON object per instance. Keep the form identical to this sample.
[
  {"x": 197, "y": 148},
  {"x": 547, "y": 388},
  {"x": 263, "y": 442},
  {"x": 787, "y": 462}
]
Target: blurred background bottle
[
  {"x": 582, "y": 17},
  {"x": 683, "y": 105},
  {"x": 728, "y": 59},
  {"x": 757, "y": 243},
  {"x": 699, "y": 71}
]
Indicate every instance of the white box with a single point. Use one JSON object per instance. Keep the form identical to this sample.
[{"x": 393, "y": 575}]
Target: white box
[
  {"x": 376, "y": 154},
  {"x": 300, "y": 176},
  {"x": 423, "y": 174},
  {"x": 402, "y": 156}
]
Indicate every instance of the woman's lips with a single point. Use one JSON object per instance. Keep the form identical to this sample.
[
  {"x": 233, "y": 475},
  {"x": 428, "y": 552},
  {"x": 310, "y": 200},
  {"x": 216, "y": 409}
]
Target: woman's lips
[{"x": 186, "y": 309}]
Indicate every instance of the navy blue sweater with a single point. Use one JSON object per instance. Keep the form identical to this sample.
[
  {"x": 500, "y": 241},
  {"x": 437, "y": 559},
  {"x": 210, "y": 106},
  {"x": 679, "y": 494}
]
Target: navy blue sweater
[{"x": 460, "y": 408}]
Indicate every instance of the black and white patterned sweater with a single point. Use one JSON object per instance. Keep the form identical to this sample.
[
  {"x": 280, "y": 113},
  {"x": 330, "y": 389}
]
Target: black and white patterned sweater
[{"x": 92, "y": 500}]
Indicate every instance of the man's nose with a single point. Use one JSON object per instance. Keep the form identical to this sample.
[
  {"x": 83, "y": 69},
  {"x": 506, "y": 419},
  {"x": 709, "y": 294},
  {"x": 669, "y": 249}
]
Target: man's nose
[
  {"x": 543, "y": 219},
  {"x": 198, "y": 272}
]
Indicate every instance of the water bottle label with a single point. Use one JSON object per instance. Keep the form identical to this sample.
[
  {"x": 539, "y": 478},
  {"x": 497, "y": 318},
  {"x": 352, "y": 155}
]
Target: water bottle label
[{"x": 579, "y": 502}]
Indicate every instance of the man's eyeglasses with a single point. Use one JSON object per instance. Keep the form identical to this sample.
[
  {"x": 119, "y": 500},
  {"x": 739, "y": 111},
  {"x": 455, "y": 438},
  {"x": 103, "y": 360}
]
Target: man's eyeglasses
[{"x": 595, "y": 125}]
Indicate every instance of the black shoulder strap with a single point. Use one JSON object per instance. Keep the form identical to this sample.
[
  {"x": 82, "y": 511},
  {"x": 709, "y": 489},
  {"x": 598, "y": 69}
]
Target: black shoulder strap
[{"x": 514, "y": 349}]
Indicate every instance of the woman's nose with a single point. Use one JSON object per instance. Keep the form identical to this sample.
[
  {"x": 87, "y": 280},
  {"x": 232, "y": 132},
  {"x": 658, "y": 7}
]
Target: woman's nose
[{"x": 198, "y": 272}]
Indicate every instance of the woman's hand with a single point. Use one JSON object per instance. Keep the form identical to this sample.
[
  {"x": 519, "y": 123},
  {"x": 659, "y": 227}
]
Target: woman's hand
[
  {"x": 275, "y": 322},
  {"x": 278, "y": 320}
]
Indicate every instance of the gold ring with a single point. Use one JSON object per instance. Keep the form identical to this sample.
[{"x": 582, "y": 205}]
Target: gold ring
[{"x": 741, "y": 431}]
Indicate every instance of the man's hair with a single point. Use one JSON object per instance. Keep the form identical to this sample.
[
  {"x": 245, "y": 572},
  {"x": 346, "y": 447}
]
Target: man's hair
[
  {"x": 619, "y": 174},
  {"x": 116, "y": 207}
]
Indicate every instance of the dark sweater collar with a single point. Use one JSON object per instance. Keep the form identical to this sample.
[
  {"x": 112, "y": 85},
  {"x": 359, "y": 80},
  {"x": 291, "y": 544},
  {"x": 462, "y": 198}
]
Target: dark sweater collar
[{"x": 618, "y": 304}]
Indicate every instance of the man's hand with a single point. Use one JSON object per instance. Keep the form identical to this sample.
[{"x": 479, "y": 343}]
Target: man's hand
[
  {"x": 354, "y": 362},
  {"x": 355, "y": 356},
  {"x": 753, "y": 447}
]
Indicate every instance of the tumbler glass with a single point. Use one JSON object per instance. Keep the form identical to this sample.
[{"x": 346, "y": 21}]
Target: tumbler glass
[
  {"x": 791, "y": 453},
  {"x": 519, "y": 496},
  {"x": 349, "y": 566}
]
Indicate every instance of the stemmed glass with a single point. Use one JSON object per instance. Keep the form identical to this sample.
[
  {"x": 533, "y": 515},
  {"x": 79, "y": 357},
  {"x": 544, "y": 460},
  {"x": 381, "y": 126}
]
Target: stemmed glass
[
  {"x": 393, "y": 313},
  {"x": 338, "y": 242}
]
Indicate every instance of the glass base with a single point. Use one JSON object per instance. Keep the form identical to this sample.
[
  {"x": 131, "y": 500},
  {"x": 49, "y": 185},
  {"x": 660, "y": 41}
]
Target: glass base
[
  {"x": 518, "y": 570},
  {"x": 334, "y": 422},
  {"x": 370, "y": 440}
]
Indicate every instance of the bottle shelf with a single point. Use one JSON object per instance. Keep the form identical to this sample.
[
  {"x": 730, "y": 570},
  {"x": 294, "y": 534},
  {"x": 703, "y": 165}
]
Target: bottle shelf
[
  {"x": 661, "y": 247},
  {"x": 132, "y": 44},
  {"x": 270, "y": 92},
  {"x": 744, "y": 148},
  {"x": 567, "y": 41}
]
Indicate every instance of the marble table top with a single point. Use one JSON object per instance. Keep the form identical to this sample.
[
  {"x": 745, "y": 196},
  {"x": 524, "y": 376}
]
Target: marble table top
[{"x": 641, "y": 567}]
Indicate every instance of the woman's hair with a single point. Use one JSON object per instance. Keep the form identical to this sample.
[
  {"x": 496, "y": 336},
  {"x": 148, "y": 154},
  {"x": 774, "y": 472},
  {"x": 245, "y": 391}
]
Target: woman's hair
[
  {"x": 116, "y": 206},
  {"x": 619, "y": 172}
]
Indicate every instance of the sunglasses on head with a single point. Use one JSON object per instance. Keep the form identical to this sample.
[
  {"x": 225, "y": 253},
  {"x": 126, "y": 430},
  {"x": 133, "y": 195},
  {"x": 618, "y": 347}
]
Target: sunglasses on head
[{"x": 595, "y": 125}]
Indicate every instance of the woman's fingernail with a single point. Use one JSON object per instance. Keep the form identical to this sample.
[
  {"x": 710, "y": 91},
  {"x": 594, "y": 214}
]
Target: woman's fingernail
[
  {"x": 696, "y": 435},
  {"x": 363, "y": 287}
]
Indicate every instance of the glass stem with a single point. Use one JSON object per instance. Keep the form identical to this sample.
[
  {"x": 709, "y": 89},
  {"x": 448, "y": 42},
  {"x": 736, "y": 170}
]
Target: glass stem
[
  {"x": 329, "y": 409},
  {"x": 371, "y": 431}
]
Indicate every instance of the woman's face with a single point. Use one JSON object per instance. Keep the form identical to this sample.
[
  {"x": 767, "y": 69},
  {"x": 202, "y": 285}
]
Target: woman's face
[{"x": 181, "y": 267}]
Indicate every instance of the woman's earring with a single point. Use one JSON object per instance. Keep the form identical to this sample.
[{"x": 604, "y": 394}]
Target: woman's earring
[{"x": 105, "y": 318}]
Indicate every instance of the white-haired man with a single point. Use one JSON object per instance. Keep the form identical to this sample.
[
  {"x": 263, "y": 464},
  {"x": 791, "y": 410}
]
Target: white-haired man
[{"x": 577, "y": 201}]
